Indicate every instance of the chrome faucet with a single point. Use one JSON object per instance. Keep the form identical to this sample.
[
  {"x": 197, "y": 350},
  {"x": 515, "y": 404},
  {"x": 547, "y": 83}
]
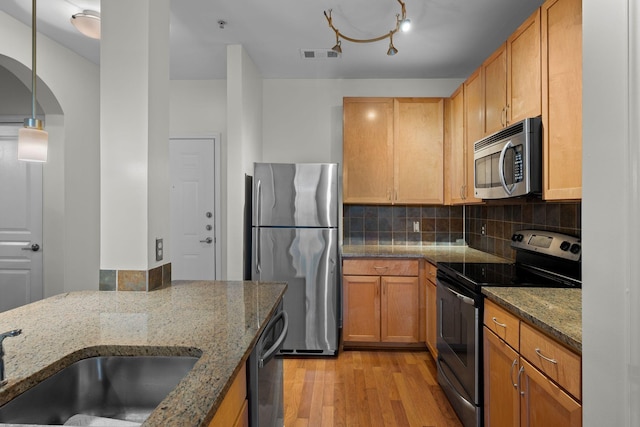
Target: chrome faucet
[{"x": 13, "y": 333}]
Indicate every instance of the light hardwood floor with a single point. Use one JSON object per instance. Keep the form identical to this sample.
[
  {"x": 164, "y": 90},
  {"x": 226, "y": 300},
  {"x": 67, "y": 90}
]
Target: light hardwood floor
[{"x": 365, "y": 389}]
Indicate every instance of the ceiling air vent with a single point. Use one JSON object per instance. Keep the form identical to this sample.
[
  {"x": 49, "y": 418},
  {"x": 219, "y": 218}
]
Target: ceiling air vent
[{"x": 318, "y": 54}]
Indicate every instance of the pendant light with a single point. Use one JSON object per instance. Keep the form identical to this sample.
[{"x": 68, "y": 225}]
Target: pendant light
[{"x": 32, "y": 139}]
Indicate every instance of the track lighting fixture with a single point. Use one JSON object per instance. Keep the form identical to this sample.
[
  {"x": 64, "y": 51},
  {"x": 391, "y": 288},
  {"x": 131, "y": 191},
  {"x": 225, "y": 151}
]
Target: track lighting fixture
[{"x": 402, "y": 24}]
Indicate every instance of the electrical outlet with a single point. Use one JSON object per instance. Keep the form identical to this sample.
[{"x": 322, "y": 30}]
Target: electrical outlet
[
  {"x": 483, "y": 230},
  {"x": 159, "y": 250},
  {"x": 416, "y": 226}
]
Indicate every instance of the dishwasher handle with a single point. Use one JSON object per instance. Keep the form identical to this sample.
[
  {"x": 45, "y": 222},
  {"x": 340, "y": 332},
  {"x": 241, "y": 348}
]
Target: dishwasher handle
[{"x": 264, "y": 357}]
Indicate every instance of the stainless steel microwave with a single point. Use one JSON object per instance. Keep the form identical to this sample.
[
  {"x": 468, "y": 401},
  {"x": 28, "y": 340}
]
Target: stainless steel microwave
[{"x": 509, "y": 162}]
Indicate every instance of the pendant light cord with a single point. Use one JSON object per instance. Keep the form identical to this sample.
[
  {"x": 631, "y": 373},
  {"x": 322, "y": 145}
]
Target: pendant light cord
[{"x": 33, "y": 60}]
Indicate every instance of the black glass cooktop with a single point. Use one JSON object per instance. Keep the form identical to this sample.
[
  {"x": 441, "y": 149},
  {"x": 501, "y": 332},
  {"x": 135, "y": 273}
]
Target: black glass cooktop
[{"x": 486, "y": 274}]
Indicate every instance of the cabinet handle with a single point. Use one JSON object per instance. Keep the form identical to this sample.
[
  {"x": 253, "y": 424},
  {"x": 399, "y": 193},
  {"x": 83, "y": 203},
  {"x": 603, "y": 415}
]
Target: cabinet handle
[
  {"x": 513, "y": 365},
  {"x": 502, "y": 325},
  {"x": 520, "y": 371},
  {"x": 539, "y": 353},
  {"x": 506, "y": 115},
  {"x": 462, "y": 195},
  {"x": 503, "y": 116},
  {"x": 383, "y": 268}
]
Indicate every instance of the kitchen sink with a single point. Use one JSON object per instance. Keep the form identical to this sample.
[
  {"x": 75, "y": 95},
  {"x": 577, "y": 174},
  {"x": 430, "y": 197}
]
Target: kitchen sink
[{"x": 118, "y": 387}]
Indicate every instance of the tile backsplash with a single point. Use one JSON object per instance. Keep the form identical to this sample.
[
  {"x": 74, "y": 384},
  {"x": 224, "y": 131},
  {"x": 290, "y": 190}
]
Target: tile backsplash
[
  {"x": 487, "y": 227},
  {"x": 500, "y": 221},
  {"x": 394, "y": 225}
]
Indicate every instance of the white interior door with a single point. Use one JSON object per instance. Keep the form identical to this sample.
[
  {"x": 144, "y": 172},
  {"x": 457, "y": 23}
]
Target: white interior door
[
  {"x": 20, "y": 224},
  {"x": 193, "y": 215}
]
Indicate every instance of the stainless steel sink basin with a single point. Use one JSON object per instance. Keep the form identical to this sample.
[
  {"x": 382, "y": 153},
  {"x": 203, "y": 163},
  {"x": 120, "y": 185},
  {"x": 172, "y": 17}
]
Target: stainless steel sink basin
[{"x": 121, "y": 387}]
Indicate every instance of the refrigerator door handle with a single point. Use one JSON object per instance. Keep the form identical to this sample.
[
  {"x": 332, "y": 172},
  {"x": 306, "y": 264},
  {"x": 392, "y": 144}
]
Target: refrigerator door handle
[{"x": 258, "y": 215}]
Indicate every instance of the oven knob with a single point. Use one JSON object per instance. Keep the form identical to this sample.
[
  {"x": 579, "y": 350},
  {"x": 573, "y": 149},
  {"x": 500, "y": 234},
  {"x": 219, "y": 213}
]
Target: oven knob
[
  {"x": 514, "y": 237},
  {"x": 564, "y": 246},
  {"x": 519, "y": 237},
  {"x": 575, "y": 248}
]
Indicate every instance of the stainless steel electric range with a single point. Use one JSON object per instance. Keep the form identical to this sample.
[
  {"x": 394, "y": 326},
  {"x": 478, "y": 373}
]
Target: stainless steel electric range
[{"x": 543, "y": 259}]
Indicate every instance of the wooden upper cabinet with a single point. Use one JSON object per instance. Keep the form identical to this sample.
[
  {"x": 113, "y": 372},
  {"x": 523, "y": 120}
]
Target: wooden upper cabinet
[
  {"x": 455, "y": 161},
  {"x": 562, "y": 99},
  {"x": 418, "y": 151},
  {"x": 367, "y": 150},
  {"x": 393, "y": 150},
  {"x": 494, "y": 71},
  {"x": 524, "y": 71},
  {"x": 473, "y": 127}
]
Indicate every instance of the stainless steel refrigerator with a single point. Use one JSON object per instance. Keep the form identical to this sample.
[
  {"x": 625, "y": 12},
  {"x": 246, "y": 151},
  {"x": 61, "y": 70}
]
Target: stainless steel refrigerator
[{"x": 295, "y": 239}]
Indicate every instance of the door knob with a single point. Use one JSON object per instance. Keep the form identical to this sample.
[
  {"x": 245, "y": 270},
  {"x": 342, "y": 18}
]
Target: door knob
[
  {"x": 35, "y": 248},
  {"x": 207, "y": 240}
]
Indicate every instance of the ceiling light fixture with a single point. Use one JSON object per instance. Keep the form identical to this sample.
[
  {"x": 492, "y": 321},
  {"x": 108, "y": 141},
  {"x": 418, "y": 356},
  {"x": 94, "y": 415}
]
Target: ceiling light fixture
[
  {"x": 402, "y": 24},
  {"x": 88, "y": 23},
  {"x": 32, "y": 139}
]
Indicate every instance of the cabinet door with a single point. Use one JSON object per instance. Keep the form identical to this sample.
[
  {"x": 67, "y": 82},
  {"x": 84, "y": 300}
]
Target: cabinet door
[
  {"x": 456, "y": 164},
  {"x": 524, "y": 79},
  {"x": 432, "y": 318},
  {"x": 474, "y": 126},
  {"x": 400, "y": 309},
  {"x": 562, "y": 99},
  {"x": 418, "y": 150},
  {"x": 367, "y": 150},
  {"x": 543, "y": 403},
  {"x": 361, "y": 308},
  {"x": 501, "y": 394},
  {"x": 495, "y": 91}
]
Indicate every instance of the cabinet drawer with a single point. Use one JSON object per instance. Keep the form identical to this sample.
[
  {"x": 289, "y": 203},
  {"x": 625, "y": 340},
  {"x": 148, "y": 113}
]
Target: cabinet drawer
[
  {"x": 553, "y": 359},
  {"x": 432, "y": 272},
  {"x": 380, "y": 267},
  {"x": 502, "y": 323}
]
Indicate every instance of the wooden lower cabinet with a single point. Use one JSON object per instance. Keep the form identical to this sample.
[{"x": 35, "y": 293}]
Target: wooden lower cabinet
[
  {"x": 432, "y": 314},
  {"x": 234, "y": 409},
  {"x": 519, "y": 393},
  {"x": 544, "y": 403},
  {"x": 399, "y": 310},
  {"x": 501, "y": 394},
  {"x": 380, "y": 308},
  {"x": 361, "y": 295}
]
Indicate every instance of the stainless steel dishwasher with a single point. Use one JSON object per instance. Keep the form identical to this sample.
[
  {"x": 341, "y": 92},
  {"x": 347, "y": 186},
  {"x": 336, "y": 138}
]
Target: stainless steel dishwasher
[{"x": 265, "y": 381}]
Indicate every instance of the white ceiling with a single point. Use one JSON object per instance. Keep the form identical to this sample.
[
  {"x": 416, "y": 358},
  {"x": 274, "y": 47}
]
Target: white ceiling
[{"x": 449, "y": 38}]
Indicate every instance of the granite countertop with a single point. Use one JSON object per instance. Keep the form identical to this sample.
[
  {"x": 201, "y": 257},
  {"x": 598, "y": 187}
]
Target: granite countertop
[
  {"x": 217, "y": 321},
  {"x": 558, "y": 312},
  {"x": 432, "y": 253}
]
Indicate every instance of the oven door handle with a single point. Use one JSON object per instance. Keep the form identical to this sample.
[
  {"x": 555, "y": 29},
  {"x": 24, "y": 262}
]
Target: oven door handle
[
  {"x": 503, "y": 180},
  {"x": 461, "y": 297}
]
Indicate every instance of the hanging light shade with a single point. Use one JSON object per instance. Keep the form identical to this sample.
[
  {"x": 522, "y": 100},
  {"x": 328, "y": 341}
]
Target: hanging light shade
[
  {"x": 32, "y": 142},
  {"x": 32, "y": 139},
  {"x": 88, "y": 23}
]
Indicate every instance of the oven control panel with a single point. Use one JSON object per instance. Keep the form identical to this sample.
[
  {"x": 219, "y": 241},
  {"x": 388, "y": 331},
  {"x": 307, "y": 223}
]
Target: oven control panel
[{"x": 549, "y": 243}]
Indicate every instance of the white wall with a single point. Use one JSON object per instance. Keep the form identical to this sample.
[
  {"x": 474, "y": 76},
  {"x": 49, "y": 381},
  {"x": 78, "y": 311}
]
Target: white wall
[
  {"x": 611, "y": 208},
  {"x": 303, "y": 118},
  {"x": 198, "y": 108},
  {"x": 240, "y": 150},
  {"x": 134, "y": 100},
  {"x": 71, "y": 176}
]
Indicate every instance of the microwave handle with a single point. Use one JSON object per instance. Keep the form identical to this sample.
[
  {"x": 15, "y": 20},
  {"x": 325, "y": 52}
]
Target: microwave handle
[{"x": 503, "y": 181}]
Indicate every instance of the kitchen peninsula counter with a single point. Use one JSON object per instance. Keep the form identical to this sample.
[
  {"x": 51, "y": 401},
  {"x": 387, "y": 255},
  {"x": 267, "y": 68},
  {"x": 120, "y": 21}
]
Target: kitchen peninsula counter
[
  {"x": 432, "y": 253},
  {"x": 217, "y": 321}
]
